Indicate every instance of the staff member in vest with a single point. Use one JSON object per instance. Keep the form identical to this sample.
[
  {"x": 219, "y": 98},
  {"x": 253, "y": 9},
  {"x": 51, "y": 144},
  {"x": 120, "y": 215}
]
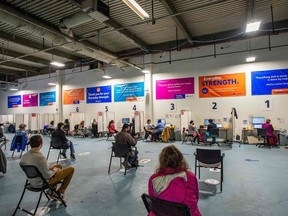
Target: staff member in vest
[{"x": 58, "y": 136}]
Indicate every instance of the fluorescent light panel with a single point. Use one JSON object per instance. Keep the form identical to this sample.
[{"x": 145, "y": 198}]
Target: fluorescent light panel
[
  {"x": 52, "y": 84},
  {"x": 136, "y": 8},
  {"x": 106, "y": 77},
  {"x": 253, "y": 26},
  {"x": 250, "y": 59},
  {"x": 145, "y": 71},
  {"x": 14, "y": 89},
  {"x": 58, "y": 64}
]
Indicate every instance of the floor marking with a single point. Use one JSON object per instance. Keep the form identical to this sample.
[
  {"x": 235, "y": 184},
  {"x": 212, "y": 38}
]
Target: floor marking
[
  {"x": 250, "y": 160},
  {"x": 84, "y": 153},
  {"x": 144, "y": 160}
]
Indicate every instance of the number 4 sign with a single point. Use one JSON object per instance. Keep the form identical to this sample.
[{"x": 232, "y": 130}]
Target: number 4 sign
[{"x": 267, "y": 104}]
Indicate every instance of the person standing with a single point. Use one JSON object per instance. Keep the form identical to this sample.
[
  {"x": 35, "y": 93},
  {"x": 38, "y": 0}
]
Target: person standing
[
  {"x": 94, "y": 129},
  {"x": 210, "y": 126},
  {"x": 53, "y": 174},
  {"x": 173, "y": 181}
]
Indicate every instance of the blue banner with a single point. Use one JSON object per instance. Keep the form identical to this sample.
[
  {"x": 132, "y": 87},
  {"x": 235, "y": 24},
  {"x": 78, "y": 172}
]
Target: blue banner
[
  {"x": 14, "y": 101},
  {"x": 270, "y": 82},
  {"x": 47, "y": 98},
  {"x": 129, "y": 92},
  {"x": 99, "y": 94}
]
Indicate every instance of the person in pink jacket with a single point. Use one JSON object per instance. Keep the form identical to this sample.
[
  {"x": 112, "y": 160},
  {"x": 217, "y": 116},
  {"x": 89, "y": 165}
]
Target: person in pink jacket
[{"x": 173, "y": 182}]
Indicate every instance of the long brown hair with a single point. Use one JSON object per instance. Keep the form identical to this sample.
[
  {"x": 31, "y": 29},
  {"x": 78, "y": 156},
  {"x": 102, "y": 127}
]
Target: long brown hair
[{"x": 173, "y": 158}]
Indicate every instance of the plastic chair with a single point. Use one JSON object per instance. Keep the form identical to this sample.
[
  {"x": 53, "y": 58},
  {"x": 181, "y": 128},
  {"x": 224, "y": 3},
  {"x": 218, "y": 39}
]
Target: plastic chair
[
  {"x": 120, "y": 151},
  {"x": 33, "y": 172},
  {"x": 209, "y": 158},
  {"x": 161, "y": 207}
]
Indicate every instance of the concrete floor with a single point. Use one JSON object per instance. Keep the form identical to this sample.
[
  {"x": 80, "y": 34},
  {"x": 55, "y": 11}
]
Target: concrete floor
[{"x": 257, "y": 186}]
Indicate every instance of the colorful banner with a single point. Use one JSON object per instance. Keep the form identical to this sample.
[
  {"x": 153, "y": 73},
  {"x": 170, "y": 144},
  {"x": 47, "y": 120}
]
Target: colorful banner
[
  {"x": 14, "y": 101},
  {"x": 47, "y": 98},
  {"x": 269, "y": 82},
  {"x": 129, "y": 92},
  {"x": 99, "y": 94},
  {"x": 226, "y": 85},
  {"x": 175, "y": 88},
  {"x": 30, "y": 100},
  {"x": 73, "y": 96}
]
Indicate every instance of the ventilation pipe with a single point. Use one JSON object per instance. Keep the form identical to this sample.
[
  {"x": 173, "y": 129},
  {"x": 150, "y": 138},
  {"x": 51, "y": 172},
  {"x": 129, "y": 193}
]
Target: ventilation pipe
[{"x": 57, "y": 39}]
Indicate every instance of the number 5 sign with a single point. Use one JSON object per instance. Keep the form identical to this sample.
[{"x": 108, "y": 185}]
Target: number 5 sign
[{"x": 267, "y": 104}]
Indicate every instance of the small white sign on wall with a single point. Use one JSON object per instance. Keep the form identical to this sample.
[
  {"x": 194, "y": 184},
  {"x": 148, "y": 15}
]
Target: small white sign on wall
[
  {"x": 214, "y": 105},
  {"x": 267, "y": 104}
]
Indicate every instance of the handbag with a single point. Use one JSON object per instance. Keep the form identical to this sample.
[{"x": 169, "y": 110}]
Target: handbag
[{"x": 195, "y": 134}]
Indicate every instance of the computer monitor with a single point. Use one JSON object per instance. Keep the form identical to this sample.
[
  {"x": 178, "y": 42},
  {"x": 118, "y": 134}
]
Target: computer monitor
[
  {"x": 206, "y": 122},
  {"x": 162, "y": 120},
  {"x": 91, "y": 121},
  {"x": 258, "y": 120},
  {"x": 126, "y": 120},
  {"x": 219, "y": 125},
  {"x": 257, "y": 125},
  {"x": 167, "y": 125}
]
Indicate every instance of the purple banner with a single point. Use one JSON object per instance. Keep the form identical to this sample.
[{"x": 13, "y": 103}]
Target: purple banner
[
  {"x": 30, "y": 100},
  {"x": 175, "y": 88}
]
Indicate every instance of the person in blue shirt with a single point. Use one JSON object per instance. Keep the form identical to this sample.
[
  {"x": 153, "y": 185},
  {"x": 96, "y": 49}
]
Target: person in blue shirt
[{"x": 158, "y": 130}]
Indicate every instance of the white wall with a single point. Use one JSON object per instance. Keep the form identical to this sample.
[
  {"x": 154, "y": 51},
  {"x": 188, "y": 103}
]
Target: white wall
[{"x": 195, "y": 65}]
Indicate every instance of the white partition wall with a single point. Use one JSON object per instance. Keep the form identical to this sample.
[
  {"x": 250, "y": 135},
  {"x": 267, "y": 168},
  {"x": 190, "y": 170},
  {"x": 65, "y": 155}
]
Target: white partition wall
[
  {"x": 185, "y": 118},
  {"x": 56, "y": 118},
  {"x": 33, "y": 119},
  {"x": 19, "y": 119},
  {"x": 108, "y": 117},
  {"x": 27, "y": 120},
  {"x": 10, "y": 118},
  {"x": 100, "y": 121},
  {"x": 139, "y": 121},
  {"x": 76, "y": 118},
  {"x": 41, "y": 121}
]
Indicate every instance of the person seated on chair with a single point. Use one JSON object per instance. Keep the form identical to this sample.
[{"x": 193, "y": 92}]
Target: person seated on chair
[
  {"x": 192, "y": 129},
  {"x": 58, "y": 135},
  {"x": 54, "y": 174},
  {"x": 66, "y": 127},
  {"x": 94, "y": 129},
  {"x": 124, "y": 137},
  {"x": 51, "y": 127},
  {"x": 173, "y": 181},
  {"x": 111, "y": 128},
  {"x": 148, "y": 129},
  {"x": 22, "y": 131},
  {"x": 210, "y": 126},
  {"x": 270, "y": 131},
  {"x": 158, "y": 130}
]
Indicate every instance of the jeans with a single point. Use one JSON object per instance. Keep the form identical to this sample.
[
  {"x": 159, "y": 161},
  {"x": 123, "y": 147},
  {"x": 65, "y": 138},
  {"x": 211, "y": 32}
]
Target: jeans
[
  {"x": 133, "y": 156},
  {"x": 71, "y": 146},
  {"x": 62, "y": 174}
]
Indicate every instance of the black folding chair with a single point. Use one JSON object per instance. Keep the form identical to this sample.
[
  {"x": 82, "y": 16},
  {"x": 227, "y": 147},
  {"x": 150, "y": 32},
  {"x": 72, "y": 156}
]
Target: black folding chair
[
  {"x": 261, "y": 133},
  {"x": 209, "y": 158},
  {"x": 161, "y": 207},
  {"x": 60, "y": 147},
  {"x": 31, "y": 173},
  {"x": 120, "y": 151}
]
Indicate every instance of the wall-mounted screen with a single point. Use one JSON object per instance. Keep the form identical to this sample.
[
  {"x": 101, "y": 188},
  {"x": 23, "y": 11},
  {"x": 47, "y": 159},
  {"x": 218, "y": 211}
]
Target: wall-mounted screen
[{"x": 206, "y": 122}]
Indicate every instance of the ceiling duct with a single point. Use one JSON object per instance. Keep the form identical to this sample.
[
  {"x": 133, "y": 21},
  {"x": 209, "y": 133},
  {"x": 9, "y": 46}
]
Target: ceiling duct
[
  {"x": 19, "y": 21},
  {"x": 92, "y": 10}
]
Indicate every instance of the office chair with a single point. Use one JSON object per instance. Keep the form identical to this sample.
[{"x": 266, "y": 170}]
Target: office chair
[{"x": 214, "y": 133}]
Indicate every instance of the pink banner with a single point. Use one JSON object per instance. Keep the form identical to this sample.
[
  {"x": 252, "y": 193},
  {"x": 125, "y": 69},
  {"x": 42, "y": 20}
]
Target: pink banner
[
  {"x": 175, "y": 88},
  {"x": 30, "y": 100}
]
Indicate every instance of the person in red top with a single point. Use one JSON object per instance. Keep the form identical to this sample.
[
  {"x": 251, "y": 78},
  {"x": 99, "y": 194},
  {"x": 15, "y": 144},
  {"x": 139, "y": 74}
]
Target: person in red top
[
  {"x": 111, "y": 127},
  {"x": 270, "y": 131},
  {"x": 173, "y": 182}
]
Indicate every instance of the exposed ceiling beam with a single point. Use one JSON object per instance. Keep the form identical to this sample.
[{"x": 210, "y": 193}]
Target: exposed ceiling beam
[
  {"x": 169, "y": 7},
  {"x": 9, "y": 72},
  {"x": 27, "y": 58},
  {"x": 250, "y": 7},
  {"x": 17, "y": 65},
  {"x": 33, "y": 45}
]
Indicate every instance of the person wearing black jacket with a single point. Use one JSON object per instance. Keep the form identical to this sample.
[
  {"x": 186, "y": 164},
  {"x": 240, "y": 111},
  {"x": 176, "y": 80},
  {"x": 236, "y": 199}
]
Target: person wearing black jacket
[
  {"x": 58, "y": 138},
  {"x": 209, "y": 127}
]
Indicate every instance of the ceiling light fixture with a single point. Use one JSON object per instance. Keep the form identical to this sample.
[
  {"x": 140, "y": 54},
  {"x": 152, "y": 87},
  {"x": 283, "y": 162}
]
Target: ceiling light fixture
[
  {"x": 250, "y": 59},
  {"x": 14, "y": 89},
  {"x": 52, "y": 84},
  {"x": 253, "y": 26},
  {"x": 58, "y": 64},
  {"x": 145, "y": 71},
  {"x": 133, "y": 5}
]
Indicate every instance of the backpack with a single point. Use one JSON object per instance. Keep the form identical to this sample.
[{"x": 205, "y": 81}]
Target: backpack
[{"x": 11, "y": 128}]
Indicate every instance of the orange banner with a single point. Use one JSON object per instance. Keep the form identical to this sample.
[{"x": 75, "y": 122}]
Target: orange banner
[
  {"x": 73, "y": 96},
  {"x": 226, "y": 85},
  {"x": 279, "y": 91}
]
